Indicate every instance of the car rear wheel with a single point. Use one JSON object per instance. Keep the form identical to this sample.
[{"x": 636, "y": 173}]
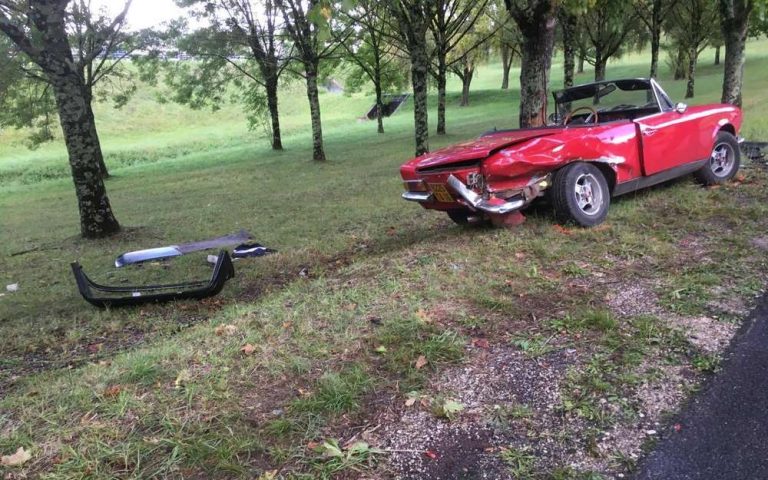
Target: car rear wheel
[
  {"x": 723, "y": 163},
  {"x": 580, "y": 195}
]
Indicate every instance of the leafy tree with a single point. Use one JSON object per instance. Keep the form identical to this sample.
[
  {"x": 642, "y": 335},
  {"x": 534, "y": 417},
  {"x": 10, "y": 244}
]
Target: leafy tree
[
  {"x": 470, "y": 51},
  {"x": 39, "y": 29},
  {"x": 239, "y": 45},
  {"x": 450, "y": 25},
  {"x": 536, "y": 20},
  {"x": 569, "y": 25},
  {"x": 411, "y": 24},
  {"x": 508, "y": 41},
  {"x": 692, "y": 24},
  {"x": 371, "y": 51},
  {"x": 304, "y": 22},
  {"x": 652, "y": 13},
  {"x": 606, "y": 26}
]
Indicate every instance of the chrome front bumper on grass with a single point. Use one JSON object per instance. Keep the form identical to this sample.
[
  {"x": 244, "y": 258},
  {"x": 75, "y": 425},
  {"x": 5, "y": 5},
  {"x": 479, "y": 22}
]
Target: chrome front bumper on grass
[{"x": 470, "y": 199}]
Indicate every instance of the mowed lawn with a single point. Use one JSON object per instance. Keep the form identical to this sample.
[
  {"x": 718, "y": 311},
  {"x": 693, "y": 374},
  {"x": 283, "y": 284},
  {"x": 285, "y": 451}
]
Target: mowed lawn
[{"x": 370, "y": 302}]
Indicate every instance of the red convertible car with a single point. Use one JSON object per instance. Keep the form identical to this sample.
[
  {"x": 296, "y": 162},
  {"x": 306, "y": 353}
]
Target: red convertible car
[{"x": 604, "y": 139}]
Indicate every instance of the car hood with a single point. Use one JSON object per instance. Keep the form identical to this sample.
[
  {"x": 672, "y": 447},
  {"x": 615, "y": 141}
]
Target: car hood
[{"x": 481, "y": 147}]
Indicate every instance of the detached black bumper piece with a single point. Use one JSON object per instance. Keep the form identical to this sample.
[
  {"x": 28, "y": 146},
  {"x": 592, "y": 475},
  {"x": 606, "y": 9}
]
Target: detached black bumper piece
[{"x": 104, "y": 296}]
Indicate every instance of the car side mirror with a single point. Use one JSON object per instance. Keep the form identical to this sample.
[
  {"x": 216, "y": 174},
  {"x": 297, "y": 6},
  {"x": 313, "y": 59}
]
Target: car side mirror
[{"x": 680, "y": 107}]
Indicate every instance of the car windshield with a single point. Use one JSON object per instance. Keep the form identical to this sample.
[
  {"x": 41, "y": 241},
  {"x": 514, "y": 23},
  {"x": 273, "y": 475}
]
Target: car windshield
[{"x": 604, "y": 102}]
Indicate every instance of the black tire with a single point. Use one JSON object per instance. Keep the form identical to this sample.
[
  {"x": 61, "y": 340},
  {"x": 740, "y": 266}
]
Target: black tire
[
  {"x": 572, "y": 203},
  {"x": 723, "y": 163}
]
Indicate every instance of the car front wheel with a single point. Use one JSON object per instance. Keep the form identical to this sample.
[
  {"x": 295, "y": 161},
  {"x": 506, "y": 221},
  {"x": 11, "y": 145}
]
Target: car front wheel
[
  {"x": 580, "y": 195},
  {"x": 723, "y": 163}
]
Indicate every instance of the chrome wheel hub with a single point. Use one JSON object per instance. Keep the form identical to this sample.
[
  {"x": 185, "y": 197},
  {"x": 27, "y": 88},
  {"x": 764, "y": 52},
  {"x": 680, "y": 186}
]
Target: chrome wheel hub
[
  {"x": 589, "y": 194},
  {"x": 722, "y": 160}
]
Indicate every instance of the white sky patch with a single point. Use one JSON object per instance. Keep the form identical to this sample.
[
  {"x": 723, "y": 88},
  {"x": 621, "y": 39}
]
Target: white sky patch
[{"x": 143, "y": 13}]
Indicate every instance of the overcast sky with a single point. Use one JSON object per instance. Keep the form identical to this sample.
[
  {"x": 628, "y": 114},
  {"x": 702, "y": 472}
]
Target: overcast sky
[{"x": 144, "y": 13}]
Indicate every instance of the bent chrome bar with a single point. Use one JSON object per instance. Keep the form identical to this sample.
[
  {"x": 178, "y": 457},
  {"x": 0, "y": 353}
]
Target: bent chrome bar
[
  {"x": 105, "y": 296},
  {"x": 418, "y": 196},
  {"x": 476, "y": 201}
]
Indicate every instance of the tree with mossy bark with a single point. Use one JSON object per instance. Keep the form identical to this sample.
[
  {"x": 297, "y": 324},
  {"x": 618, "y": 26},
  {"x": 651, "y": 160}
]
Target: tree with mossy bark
[
  {"x": 39, "y": 29},
  {"x": 100, "y": 51},
  {"x": 536, "y": 20},
  {"x": 306, "y": 23},
  {"x": 734, "y": 23},
  {"x": 240, "y": 44},
  {"x": 411, "y": 19}
]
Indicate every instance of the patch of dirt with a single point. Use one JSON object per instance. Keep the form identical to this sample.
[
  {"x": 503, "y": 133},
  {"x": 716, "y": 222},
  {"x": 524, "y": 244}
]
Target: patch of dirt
[
  {"x": 633, "y": 299},
  {"x": 467, "y": 447},
  {"x": 707, "y": 334}
]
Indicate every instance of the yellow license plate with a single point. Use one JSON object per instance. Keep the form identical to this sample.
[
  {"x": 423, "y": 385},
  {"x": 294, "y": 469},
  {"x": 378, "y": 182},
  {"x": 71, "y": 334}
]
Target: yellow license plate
[{"x": 440, "y": 192}]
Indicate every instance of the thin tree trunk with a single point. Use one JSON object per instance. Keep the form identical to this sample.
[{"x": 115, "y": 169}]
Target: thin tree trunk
[
  {"x": 318, "y": 154},
  {"x": 568, "y": 22},
  {"x": 271, "y": 87},
  {"x": 466, "y": 81},
  {"x": 717, "y": 55},
  {"x": 680, "y": 64},
  {"x": 379, "y": 102},
  {"x": 734, "y": 21},
  {"x": 580, "y": 67},
  {"x": 441, "y": 81},
  {"x": 76, "y": 116},
  {"x": 419, "y": 73},
  {"x": 655, "y": 47},
  {"x": 689, "y": 89},
  {"x": 506, "y": 65},
  {"x": 538, "y": 43},
  {"x": 600, "y": 67}
]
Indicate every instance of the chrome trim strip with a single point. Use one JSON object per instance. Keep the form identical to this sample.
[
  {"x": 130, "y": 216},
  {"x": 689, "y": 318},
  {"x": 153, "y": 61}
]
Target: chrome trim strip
[
  {"x": 476, "y": 201},
  {"x": 417, "y": 196}
]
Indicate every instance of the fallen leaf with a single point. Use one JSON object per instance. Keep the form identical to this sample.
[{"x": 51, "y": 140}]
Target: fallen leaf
[
  {"x": 519, "y": 255},
  {"x": 431, "y": 454},
  {"x": 313, "y": 445},
  {"x": 268, "y": 475},
  {"x": 481, "y": 343},
  {"x": 248, "y": 349},
  {"x": 380, "y": 349},
  {"x": 563, "y": 230},
  {"x": 421, "y": 362},
  {"x": 425, "y": 402},
  {"x": 182, "y": 378},
  {"x": 19, "y": 458},
  {"x": 411, "y": 401},
  {"x": 113, "y": 391},
  {"x": 740, "y": 177},
  {"x": 422, "y": 315},
  {"x": 225, "y": 330}
]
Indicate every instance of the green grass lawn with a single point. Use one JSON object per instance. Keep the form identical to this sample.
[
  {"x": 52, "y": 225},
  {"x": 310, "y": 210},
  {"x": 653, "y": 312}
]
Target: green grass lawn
[{"x": 165, "y": 391}]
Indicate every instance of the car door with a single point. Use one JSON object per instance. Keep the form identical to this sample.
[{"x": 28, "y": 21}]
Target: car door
[{"x": 668, "y": 140}]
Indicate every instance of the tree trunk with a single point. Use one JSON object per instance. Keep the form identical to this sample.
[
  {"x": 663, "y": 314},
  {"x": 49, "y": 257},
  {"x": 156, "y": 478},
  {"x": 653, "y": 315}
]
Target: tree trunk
[
  {"x": 76, "y": 116},
  {"x": 580, "y": 65},
  {"x": 734, "y": 21},
  {"x": 538, "y": 42},
  {"x": 466, "y": 81},
  {"x": 600, "y": 67},
  {"x": 717, "y": 55},
  {"x": 379, "y": 102},
  {"x": 419, "y": 73},
  {"x": 506, "y": 65},
  {"x": 691, "y": 73},
  {"x": 655, "y": 47},
  {"x": 271, "y": 87},
  {"x": 568, "y": 22},
  {"x": 680, "y": 64},
  {"x": 318, "y": 154},
  {"x": 441, "y": 81},
  {"x": 92, "y": 119}
]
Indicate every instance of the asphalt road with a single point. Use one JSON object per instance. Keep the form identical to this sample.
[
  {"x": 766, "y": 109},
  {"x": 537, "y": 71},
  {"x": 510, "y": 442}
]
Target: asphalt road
[{"x": 724, "y": 434}]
